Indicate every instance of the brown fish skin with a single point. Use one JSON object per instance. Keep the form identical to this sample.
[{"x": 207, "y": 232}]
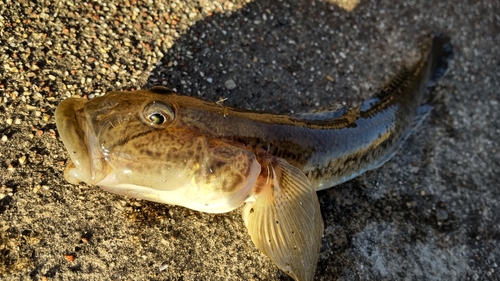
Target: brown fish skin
[
  {"x": 329, "y": 151},
  {"x": 159, "y": 146}
]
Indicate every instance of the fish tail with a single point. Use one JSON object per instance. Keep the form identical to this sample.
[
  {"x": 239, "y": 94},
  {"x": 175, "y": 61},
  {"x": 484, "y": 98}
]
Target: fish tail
[
  {"x": 441, "y": 55},
  {"x": 409, "y": 92}
]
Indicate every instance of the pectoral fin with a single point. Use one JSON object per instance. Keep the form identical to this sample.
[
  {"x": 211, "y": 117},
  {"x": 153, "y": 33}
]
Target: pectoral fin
[{"x": 285, "y": 220}]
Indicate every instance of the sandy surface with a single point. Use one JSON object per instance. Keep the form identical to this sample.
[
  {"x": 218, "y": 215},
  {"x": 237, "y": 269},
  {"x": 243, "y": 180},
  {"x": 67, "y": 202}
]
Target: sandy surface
[{"x": 431, "y": 213}]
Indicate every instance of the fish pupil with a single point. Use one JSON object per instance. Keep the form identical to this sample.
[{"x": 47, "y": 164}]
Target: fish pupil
[{"x": 157, "y": 118}]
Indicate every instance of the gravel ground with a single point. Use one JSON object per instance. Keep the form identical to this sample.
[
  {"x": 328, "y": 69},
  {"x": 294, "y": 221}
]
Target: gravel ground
[{"x": 431, "y": 213}]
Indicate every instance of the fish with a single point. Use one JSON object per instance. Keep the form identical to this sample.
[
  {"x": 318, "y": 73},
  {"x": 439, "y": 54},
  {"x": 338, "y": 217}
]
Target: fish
[{"x": 159, "y": 146}]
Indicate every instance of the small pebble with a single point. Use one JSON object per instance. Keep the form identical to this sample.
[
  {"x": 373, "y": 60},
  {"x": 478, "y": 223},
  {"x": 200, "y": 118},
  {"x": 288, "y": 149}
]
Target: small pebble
[
  {"x": 230, "y": 85},
  {"x": 163, "y": 266},
  {"x": 22, "y": 159},
  {"x": 441, "y": 214},
  {"x": 70, "y": 257}
]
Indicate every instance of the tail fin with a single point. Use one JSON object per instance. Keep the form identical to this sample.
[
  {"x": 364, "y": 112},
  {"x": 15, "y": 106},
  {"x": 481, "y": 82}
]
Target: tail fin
[{"x": 441, "y": 54}]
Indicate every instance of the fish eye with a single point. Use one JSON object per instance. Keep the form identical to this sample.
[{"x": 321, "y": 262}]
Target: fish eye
[
  {"x": 158, "y": 113},
  {"x": 157, "y": 118}
]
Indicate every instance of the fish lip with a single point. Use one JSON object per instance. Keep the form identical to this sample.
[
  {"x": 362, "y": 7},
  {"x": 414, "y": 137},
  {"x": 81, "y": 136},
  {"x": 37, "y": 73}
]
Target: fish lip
[{"x": 87, "y": 162}]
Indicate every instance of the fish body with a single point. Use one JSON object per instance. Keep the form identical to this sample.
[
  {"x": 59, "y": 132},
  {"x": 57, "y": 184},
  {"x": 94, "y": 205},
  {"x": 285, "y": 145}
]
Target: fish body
[{"x": 159, "y": 146}]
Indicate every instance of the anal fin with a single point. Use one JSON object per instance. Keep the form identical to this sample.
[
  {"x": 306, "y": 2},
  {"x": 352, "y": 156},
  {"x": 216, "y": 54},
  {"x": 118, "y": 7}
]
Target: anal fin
[{"x": 284, "y": 221}]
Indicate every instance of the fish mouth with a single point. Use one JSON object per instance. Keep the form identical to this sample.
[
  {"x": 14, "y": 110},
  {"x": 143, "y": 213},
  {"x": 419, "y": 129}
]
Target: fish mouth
[{"x": 87, "y": 162}]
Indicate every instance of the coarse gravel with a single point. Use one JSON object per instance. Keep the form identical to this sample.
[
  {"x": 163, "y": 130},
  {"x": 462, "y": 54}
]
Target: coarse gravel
[{"x": 431, "y": 213}]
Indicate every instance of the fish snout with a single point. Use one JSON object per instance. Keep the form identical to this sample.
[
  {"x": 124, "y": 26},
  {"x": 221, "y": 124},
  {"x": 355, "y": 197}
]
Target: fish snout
[{"x": 87, "y": 162}]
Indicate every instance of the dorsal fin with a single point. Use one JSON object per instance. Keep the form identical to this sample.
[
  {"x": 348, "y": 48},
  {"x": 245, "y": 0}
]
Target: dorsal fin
[
  {"x": 323, "y": 114},
  {"x": 396, "y": 83}
]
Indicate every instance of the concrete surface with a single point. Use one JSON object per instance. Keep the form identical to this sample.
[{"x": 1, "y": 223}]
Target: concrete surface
[{"x": 431, "y": 213}]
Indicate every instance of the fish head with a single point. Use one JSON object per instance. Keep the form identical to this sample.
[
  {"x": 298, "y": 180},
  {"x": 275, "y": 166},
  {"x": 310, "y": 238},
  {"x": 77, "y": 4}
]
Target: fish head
[{"x": 151, "y": 146}]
